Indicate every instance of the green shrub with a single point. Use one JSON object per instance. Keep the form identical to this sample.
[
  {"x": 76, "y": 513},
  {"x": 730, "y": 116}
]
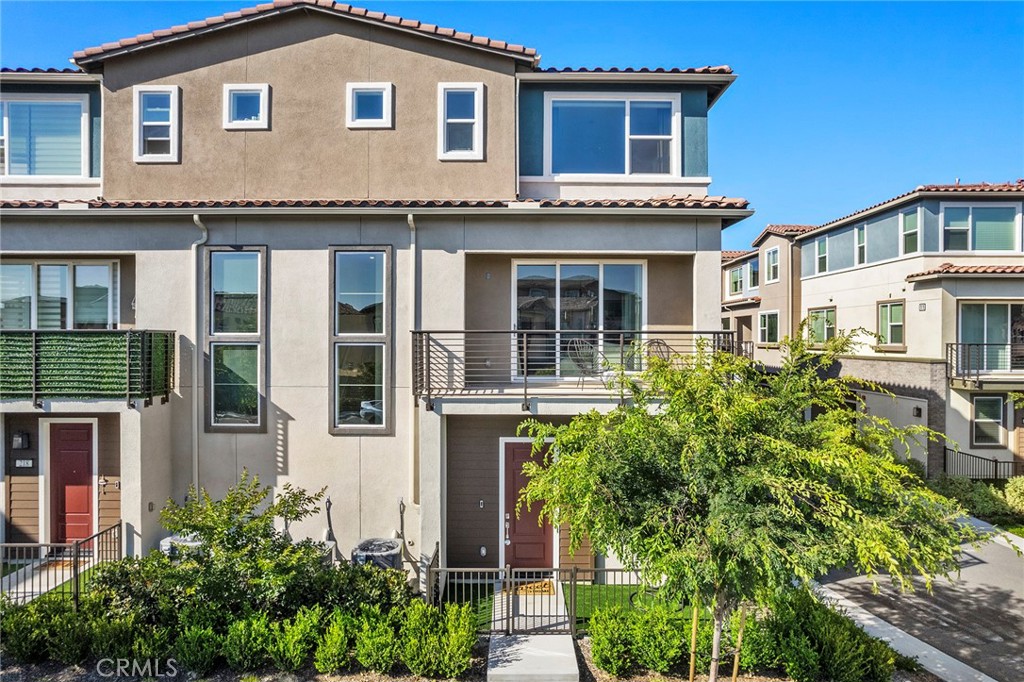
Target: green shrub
[
  {"x": 68, "y": 638},
  {"x": 334, "y": 650},
  {"x": 422, "y": 638},
  {"x": 1014, "y": 492},
  {"x": 611, "y": 640},
  {"x": 759, "y": 650},
  {"x": 246, "y": 643},
  {"x": 658, "y": 637},
  {"x": 198, "y": 648},
  {"x": 22, "y": 632},
  {"x": 350, "y": 587},
  {"x": 112, "y": 637},
  {"x": 152, "y": 643},
  {"x": 148, "y": 589},
  {"x": 980, "y": 499},
  {"x": 292, "y": 641},
  {"x": 800, "y": 660},
  {"x": 459, "y": 639},
  {"x": 377, "y": 642},
  {"x": 916, "y": 467}
]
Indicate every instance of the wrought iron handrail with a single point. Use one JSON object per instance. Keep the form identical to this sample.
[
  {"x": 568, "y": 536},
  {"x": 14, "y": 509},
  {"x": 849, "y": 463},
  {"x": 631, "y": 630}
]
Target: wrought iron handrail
[
  {"x": 41, "y": 364},
  {"x": 972, "y": 466},
  {"x": 531, "y": 363},
  {"x": 970, "y": 361}
]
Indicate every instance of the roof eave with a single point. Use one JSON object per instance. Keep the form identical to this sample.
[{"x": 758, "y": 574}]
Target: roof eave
[
  {"x": 976, "y": 275},
  {"x": 723, "y": 80},
  {"x": 28, "y": 77},
  {"x": 90, "y": 61}
]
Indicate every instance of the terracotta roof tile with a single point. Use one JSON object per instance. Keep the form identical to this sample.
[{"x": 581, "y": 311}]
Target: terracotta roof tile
[
  {"x": 951, "y": 269},
  {"x": 724, "y": 69},
  {"x": 782, "y": 230},
  {"x": 91, "y": 54},
  {"x": 21, "y": 69},
  {"x": 728, "y": 256}
]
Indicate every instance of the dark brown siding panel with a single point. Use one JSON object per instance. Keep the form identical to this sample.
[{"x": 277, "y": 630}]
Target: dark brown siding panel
[
  {"x": 109, "y": 468},
  {"x": 583, "y": 557}
]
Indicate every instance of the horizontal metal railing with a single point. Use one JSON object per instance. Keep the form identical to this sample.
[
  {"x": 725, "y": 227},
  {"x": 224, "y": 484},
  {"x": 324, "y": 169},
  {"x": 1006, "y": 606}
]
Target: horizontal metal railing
[
  {"x": 543, "y": 362},
  {"x": 972, "y": 466},
  {"x": 64, "y": 569},
  {"x": 537, "y": 600},
  {"x": 972, "y": 361},
  {"x": 131, "y": 364}
]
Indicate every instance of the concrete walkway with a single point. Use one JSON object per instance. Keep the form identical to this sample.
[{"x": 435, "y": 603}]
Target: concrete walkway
[
  {"x": 532, "y": 658},
  {"x": 976, "y": 619},
  {"x": 535, "y": 612},
  {"x": 40, "y": 576}
]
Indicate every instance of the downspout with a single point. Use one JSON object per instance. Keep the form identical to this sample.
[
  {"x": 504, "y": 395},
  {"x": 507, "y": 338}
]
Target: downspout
[
  {"x": 205, "y": 234},
  {"x": 413, "y": 326}
]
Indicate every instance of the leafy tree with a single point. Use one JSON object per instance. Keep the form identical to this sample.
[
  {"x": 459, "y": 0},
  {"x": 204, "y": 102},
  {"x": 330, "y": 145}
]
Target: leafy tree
[{"x": 710, "y": 480}]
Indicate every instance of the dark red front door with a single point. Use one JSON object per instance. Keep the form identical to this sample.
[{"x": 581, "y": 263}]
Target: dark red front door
[
  {"x": 71, "y": 496},
  {"x": 530, "y": 544}
]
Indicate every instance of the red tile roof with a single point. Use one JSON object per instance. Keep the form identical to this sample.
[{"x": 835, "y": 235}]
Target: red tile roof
[
  {"x": 655, "y": 203},
  {"x": 36, "y": 69},
  {"x": 951, "y": 269},
  {"x": 728, "y": 256},
  {"x": 95, "y": 54},
  {"x": 724, "y": 69},
  {"x": 783, "y": 230}
]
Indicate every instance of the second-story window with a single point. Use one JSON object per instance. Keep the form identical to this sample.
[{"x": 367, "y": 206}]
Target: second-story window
[
  {"x": 44, "y": 136},
  {"x": 235, "y": 340},
  {"x": 821, "y": 255},
  {"x": 460, "y": 118},
  {"x": 979, "y": 228},
  {"x": 909, "y": 229},
  {"x": 891, "y": 324},
  {"x": 246, "y": 106},
  {"x": 612, "y": 135},
  {"x": 368, "y": 105},
  {"x": 58, "y": 295},
  {"x": 860, "y": 234},
  {"x": 736, "y": 281},
  {"x": 771, "y": 261},
  {"x": 157, "y": 133},
  {"x": 360, "y": 341},
  {"x": 754, "y": 274}
]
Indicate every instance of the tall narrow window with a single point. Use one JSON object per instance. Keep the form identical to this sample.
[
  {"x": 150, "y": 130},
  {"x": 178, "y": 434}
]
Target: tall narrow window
[
  {"x": 768, "y": 327},
  {"x": 771, "y": 260},
  {"x": 861, "y": 241},
  {"x": 736, "y": 281},
  {"x": 361, "y": 341},
  {"x": 988, "y": 426},
  {"x": 157, "y": 131},
  {"x": 650, "y": 137},
  {"x": 911, "y": 242},
  {"x": 16, "y": 296},
  {"x": 754, "y": 274},
  {"x": 821, "y": 324},
  {"x": 93, "y": 301},
  {"x": 460, "y": 135},
  {"x": 890, "y": 324},
  {"x": 821, "y": 253},
  {"x": 235, "y": 339}
]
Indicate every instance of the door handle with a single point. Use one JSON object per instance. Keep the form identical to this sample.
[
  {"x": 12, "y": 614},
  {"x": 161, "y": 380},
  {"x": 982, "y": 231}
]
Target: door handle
[{"x": 508, "y": 540}]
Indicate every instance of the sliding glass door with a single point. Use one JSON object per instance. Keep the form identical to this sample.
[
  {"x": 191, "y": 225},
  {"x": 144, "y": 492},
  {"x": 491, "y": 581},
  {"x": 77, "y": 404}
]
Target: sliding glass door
[{"x": 994, "y": 334}]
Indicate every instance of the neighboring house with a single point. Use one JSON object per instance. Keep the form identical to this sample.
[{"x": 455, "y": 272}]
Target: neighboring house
[
  {"x": 344, "y": 249},
  {"x": 934, "y": 278}
]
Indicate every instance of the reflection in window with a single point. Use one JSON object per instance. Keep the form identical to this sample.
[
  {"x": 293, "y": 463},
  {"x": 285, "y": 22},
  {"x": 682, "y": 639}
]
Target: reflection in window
[
  {"x": 360, "y": 384},
  {"x": 890, "y": 324},
  {"x": 52, "y": 301},
  {"x": 821, "y": 325},
  {"x": 92, "y": 297},
  {"x": 235, "y": 282},
  {"x": 236, "y": 383},
  {"x": 988, "y": 424},
  {"x": 156, "y": 123},
  {"x": 15, "y": 296},
  {"x": 359, "y": 292}
]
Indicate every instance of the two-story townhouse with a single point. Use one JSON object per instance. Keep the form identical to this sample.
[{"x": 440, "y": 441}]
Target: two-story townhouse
[
  {"x": 376, "y": 247},
  {"x": 932, "y": 281}
]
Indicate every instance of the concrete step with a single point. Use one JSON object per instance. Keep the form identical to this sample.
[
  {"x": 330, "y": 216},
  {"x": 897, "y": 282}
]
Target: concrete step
[{"x": 532, "y": 658}]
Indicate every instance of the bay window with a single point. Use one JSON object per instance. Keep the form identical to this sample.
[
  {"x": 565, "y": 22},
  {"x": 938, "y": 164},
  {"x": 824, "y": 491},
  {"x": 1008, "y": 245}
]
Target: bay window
[
  {"x": 44, "y": 136},
  {"x": 59, "y": 295},
  {"x": 236, "y": 339},
  {"x": 980, "y": 228},
  {"x": 612, "y": 134},
  {"x": 361, "y": 341}
]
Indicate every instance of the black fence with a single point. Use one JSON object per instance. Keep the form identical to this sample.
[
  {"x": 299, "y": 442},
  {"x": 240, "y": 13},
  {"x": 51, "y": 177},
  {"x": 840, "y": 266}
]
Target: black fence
[{"x": 980, "y": 468}]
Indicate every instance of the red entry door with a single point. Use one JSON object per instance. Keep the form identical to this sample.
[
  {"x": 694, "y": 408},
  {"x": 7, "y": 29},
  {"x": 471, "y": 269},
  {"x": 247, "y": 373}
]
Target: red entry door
[
  {"x": 71, "y": 494},
  {"x": 529, "y": 544}
]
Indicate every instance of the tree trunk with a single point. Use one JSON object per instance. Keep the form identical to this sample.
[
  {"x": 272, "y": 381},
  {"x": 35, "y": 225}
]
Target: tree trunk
[{"x": 721, "y": 615}]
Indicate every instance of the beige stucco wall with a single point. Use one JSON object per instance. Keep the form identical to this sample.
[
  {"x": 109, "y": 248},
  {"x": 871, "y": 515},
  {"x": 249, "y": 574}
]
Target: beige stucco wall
[{"x": 308, "y": 152}]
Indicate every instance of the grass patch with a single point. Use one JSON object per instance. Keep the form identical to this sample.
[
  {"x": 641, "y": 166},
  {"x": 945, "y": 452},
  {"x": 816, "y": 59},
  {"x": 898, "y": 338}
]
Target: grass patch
[
  {"x": 591, "y": 598},
  {"x": 1016, "y": 530},
  {"x": 480, "y": 597},
  {"x": 10, "y": 568}
]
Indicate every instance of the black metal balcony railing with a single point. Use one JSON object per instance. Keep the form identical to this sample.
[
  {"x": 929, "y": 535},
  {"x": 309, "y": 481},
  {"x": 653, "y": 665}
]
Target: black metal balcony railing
[
  {"x": 980, "y": 468},
  {"x": 970, "y": 361},
  {"x": 541, "y": 362},
  {"x": 127, "y": 364}
]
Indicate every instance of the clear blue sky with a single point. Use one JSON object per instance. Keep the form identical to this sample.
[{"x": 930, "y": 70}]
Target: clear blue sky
[{"x": 837, "y": 106}]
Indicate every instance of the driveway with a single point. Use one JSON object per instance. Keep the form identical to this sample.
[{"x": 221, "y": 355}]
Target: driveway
[{"x": 977, "y": 618}]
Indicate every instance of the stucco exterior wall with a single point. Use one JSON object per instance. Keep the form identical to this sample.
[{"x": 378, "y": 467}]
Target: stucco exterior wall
[{"x": 308, "y": 152}]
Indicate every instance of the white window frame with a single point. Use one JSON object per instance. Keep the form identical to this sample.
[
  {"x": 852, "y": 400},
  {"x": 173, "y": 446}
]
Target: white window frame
[
  {"x": 174, "y": 155},
  {"x": 386, "y": 89},
  {"x": 762, "y": 328},
  {"x": 729, "y": 283},
  {"x": 477, "y": 153},
  {"x": 676, "y": 165},
  {"x": 860, "y": 243},
  {"x": 818, "y": 270},
  {"x": 753, "y": 265},
  {"x": 1017, "y": 221},
  {"x": 263, "y": 90},
  {"x": 768, "y": 265},
  {"x": 1003, "y": 427},
  {"x": 916, "y": 231},
  {"x": 85, "y": 167},
  {"x": 113, "y": 300}
]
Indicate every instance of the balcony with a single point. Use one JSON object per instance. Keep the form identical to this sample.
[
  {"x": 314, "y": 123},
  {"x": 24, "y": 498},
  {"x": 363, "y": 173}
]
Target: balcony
[
  {"x": 542, "y": 363},
  {"x": 971, "y": 365},
  {"x": 131, "y": 365}
]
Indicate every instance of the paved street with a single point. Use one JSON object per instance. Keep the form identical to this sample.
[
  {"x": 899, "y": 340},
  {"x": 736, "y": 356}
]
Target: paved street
[{"x": 978, "y": 618}]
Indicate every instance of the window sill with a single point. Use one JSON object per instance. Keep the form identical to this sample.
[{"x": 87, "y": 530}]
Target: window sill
[
  {"x": 982, "y": 446},
  {"x": 768, "y": 346},
  {"x": 890, "y": 349},
  {"x": 617, "y": 178},
  {"x": 28, "y": 180}
]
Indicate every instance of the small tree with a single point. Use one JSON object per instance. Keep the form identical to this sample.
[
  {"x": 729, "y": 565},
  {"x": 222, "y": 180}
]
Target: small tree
[{"x": 712, "y": 481}]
